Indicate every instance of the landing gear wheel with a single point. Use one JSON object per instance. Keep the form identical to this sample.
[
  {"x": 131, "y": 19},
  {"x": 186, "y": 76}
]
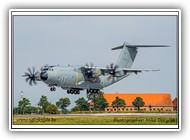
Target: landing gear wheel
[
  {"x": 97, "y": 91},
  {"x": 75, "y": 92},
  {"x": 71, "y": 91},
  {"x": 68, "y": 91},
  {"x": 78, "y": 92},
  {"x": 87, "y": 91},
  {"x": 91, "y": 90},
  {"x": 94, "y": 91},
  {"x": 52, "y": 89}
]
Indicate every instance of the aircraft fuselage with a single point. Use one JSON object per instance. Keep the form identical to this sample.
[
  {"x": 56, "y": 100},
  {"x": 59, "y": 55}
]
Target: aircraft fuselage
[{"x": 73, "y": 78}]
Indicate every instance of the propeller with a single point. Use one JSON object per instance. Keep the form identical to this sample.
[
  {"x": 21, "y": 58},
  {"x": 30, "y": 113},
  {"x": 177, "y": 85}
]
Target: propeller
[
  {"x": 31, "y": 76},
  {"x": 89, "y": 71},
  {"x": 112, "y": 70}
]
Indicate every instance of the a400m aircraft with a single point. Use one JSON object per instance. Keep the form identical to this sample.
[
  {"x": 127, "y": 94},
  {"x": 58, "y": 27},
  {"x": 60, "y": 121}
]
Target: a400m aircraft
[{"x": 87, "y": 77}]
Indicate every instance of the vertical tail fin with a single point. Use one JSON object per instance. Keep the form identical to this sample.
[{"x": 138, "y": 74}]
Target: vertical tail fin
[{"x": 128, "y": 54}]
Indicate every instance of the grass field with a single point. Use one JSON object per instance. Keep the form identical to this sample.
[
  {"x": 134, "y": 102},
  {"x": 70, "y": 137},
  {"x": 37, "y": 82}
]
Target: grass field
[{"x": 93, "y": 120}]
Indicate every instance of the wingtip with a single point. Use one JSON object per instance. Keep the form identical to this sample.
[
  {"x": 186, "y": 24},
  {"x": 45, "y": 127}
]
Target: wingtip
[{"x": 156, "y": 70}]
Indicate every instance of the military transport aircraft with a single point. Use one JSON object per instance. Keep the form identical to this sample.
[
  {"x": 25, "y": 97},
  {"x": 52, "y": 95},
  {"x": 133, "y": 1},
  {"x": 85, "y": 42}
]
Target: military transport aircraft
[{"x": 87, "y": 77}]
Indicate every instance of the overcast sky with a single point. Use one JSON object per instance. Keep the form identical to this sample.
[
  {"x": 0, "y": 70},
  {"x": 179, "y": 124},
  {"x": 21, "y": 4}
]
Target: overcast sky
[{"x": 77, "y": 40}]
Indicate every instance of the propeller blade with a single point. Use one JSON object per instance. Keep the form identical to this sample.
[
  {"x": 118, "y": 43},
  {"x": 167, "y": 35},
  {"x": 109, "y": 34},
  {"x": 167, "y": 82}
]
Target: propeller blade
[
  {"x": 33, "y": 70},
  {"x": 36, "y": 73},
  {"x": 27, "y": 79},
  {"x": 34, "y": 82},
  {"x": 112, "y": 69},
  {"x": 89, "y": 71},
  {"x": 30, "y": 82},
  {"x": 31, "y": 76},
  {"x": 29, "y": 70},
  {"x": 116, "y": 66},
  {"x": 111, "y": 65},
  {"x": 26, "y": 74}
]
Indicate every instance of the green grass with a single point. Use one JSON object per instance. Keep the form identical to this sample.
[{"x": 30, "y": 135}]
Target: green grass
[{"x": 94, "y": 120}]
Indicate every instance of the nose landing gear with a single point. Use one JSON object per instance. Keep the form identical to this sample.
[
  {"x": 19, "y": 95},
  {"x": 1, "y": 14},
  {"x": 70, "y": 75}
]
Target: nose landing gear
[{"x": 53, "y": 89}]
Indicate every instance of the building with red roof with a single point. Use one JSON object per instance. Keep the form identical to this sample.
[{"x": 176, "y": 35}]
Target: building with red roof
[
  {"x": 153, "y": 102},
  {"x": 175, "y": 102}
]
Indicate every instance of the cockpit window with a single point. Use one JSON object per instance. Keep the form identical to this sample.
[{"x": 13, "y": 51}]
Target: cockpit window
[
  {"x": 45, "y": 69},
  {"x": 48, "y": 68}
]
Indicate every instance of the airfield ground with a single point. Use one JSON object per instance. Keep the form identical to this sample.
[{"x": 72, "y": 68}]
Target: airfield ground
[{"x": 98, "y": 119}]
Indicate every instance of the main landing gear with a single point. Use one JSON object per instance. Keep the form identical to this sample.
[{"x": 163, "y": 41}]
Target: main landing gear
[
  {"x": 93, "y": 91},
  {"x": 53, "y": 89},
  {"x": 73, "y": 91}
]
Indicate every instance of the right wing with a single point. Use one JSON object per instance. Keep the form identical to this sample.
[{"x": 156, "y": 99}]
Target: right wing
[{"x": 126, "y": 70}]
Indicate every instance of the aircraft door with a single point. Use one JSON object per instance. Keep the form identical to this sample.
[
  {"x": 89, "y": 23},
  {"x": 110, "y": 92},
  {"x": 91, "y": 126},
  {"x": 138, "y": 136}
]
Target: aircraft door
[{"x": 60, "y": 79}]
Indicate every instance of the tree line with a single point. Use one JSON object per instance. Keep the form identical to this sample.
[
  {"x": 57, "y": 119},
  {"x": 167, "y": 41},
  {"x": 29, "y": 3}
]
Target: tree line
[{"x": 94, "y": 102}]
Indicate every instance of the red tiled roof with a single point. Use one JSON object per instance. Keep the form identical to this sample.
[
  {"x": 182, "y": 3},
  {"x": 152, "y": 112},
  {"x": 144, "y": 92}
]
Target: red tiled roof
[{"x": 149, "y": 99}]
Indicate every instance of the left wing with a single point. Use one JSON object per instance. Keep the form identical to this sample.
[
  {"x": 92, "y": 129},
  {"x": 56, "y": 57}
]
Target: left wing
[{"x": 97, "y": 71}]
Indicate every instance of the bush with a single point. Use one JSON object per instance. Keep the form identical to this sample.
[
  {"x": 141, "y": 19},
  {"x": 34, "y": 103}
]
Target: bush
[{"x": 52, "y": 109}]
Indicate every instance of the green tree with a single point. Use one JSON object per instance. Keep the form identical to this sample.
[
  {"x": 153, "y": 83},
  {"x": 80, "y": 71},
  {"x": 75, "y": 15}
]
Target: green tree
[
  {"x": 38, "y": 110},
  {"x": 63, "y": 103},
  {"x": 118, "y": 102},
  {"x": 138, "y": 102},
  {"x": 43, "y": 103},
  {"x": 23, "y": 104},
  {"x": 82, "y": 104},
  {"x": 52, "y": 109},
  {"x": 91, "y": 96},
  {"x": 15, "y": 110},
  {"x": 100, "y": 103},
  {"x": 75, "y": 108},
  {"x": 30, "y": 109}
]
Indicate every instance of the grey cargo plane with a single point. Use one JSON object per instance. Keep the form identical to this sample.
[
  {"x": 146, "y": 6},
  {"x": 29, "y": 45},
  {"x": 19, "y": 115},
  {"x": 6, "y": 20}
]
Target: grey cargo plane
[{"x": 87, "y": 77}]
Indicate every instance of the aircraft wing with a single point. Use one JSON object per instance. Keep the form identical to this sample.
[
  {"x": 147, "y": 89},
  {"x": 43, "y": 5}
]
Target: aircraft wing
[
  {"x": 103, "y": 70},
  {"x": 128, "y": 70}
]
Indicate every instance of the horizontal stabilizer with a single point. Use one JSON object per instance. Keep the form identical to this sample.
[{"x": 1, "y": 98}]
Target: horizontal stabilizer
[{"x": 138, "y": 46}]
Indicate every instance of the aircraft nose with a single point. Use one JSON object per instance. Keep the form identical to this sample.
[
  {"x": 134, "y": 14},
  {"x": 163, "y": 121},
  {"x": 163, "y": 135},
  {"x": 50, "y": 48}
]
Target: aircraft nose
[{"x": 44, "y": 76}]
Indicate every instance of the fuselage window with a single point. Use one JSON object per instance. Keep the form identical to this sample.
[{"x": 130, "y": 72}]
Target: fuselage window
[{"x": 50, "y": 69}]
